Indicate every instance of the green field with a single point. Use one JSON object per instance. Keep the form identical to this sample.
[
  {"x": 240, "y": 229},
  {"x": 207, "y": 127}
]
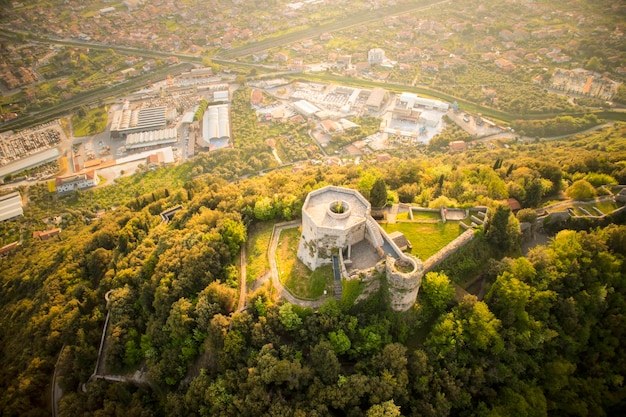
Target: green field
[
  {"x": 426, "y": 238},
  {"x": 296, "y": 276},
  {"x": 426, "y": 215},
  {"x": 256, "y": 250},
  {"x": 95, "y": 121},
  {"x": 605, "y": 207}
]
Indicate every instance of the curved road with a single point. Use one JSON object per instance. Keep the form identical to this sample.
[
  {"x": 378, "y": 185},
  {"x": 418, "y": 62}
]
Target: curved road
[{"x": 282, "y": 291}]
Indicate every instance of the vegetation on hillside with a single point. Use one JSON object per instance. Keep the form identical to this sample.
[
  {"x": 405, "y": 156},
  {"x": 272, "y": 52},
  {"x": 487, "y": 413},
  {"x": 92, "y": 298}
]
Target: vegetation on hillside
[{"x": 546, "y": 339}]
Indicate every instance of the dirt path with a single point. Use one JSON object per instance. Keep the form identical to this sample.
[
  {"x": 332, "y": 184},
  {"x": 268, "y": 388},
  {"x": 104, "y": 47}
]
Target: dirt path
[{"x": 242, "y": 279}]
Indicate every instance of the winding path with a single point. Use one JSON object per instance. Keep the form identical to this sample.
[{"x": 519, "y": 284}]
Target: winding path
[{"x": 281, "y": 290}]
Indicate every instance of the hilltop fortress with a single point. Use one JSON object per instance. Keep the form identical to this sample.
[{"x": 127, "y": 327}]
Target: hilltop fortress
[{"x": 337, "y": 227}]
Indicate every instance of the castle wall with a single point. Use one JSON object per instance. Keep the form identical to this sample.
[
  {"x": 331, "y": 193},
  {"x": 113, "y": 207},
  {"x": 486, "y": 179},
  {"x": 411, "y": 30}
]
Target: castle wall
[
  {"x": 317, "y": 243},
  {"x": 448, "y": 250},
  {"x": 403, "y": 286}
]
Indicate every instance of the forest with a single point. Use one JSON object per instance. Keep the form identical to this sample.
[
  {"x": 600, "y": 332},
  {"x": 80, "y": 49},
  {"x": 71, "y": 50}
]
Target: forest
[{"x": 546, "y": 339}]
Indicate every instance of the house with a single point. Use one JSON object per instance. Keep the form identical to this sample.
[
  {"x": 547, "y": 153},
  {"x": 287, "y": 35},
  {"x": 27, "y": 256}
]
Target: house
[
  {"x": 47, "y": 234},
  {"x": 430, "y": 67},
  {"x": 154, "y": 160},
  {"x": 505, "y": 65},
  {"x": 78, "y": 181},
  {"x": 513, "y": 204},
  {"x": 331, "y": 127},
  {"x": 457, "y": 146},
  {"x": 259, "y": 56},
  {"x": 257, "y": 97},
  {"x": 281, "y": 57},
  {"x": 400, "y": 240},
  {"x": 6, "y": 249},
  {"x": 375, "y": 56}
]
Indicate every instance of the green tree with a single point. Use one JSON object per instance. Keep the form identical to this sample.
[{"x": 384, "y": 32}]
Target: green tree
[
  {"x": 408, "y": 192},
  {"x": 594, "y": 64},
  {"x": 325, "y": 363},
  {"x": 378, "y": 193},
  {"x": 580, "y": 190},
  {"x": 502, "y": 229},
  {"x": 386, "y": 409},
  {"x": 340, "y": 341},
  {"x": 234, "y": 234},
  {"x": 264, "y": 209},
  {"x": 526, "y": 215},
  {"x": 436, "y": 292},
  {"x": 288, "y": 317}
]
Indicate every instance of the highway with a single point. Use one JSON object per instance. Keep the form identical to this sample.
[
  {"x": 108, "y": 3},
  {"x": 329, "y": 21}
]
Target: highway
[
  {"x": 362, "y": 18},
  {"x": 93, "y": 96}
]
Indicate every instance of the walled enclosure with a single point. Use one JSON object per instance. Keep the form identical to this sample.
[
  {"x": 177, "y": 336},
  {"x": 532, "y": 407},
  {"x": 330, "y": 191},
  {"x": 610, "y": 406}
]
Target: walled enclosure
[{"x": 334, "y": 219}]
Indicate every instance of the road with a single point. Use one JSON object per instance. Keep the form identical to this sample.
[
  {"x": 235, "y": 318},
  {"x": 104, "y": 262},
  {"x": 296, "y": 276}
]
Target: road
[
  {"x": 510, "y": 135},
  {"x": 362, "y": 18},
  {"x": 65, "y": 107}
]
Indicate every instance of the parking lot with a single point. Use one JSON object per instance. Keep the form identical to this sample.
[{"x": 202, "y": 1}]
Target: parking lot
[
  {"x": 472, "y": 124},
  {"x": 27, "y": 142}
]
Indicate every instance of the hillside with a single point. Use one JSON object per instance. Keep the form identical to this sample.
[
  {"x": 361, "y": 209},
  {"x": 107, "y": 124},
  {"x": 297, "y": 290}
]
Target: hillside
[{"x": 546, "y": 339}]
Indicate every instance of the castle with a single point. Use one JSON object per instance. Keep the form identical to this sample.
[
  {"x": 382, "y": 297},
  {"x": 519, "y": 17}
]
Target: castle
[{"x": 337, "y": 224}]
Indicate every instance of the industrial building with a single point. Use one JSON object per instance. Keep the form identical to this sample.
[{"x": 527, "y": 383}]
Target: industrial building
[
  {"x": 151, "y": 138},
  {"x": 31, "y": 161},
  {"x": 215, "y": 125},
  {"x": 413, "y": 100},
  {"x": 127, "y": 121},
  {"x": 377, "y": 99},
  {"x": 11, "y": 206},
  {"x": 305, "y": 108}
]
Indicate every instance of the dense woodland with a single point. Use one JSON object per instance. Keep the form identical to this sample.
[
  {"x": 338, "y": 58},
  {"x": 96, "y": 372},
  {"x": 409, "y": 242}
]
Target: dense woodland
[{"x": 547, "y": 338}]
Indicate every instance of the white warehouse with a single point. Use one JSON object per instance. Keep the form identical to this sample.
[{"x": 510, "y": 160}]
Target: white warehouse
[{"x": 216, "y": 123}]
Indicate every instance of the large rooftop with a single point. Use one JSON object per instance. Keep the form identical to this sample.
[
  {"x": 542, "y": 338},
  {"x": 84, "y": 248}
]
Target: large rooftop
[{"x": 318, "y": 203}]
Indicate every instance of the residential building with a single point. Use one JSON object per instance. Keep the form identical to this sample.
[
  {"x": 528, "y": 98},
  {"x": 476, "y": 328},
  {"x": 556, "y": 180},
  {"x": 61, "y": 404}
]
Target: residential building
[
  {"x": 375, "y": 56},
  {"x": 78, "y": 181}
]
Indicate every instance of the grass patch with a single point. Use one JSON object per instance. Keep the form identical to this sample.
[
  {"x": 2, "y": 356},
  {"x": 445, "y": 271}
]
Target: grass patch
[
  {"x": 403, "y": 216},
  {"x": 426, "y": 238},
  {"x": 350, "y": 291},
  {"x": 426, "y": 215},
  {"x": 296, "y": 276},
  {"x": 95, "y": 121},
  {"x": 258, "y": 241},
  {"x": 604, "y": 206}
]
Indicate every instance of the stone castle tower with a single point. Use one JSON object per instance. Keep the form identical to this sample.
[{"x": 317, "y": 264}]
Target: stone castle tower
[{"x": 337, "y": 222}]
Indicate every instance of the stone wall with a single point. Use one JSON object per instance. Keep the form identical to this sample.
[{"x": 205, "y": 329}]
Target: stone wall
[
  {"x": 317, "y": 244},
  {"x": 448, "y": 250},
  {"x": 403, "y": 286}
]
